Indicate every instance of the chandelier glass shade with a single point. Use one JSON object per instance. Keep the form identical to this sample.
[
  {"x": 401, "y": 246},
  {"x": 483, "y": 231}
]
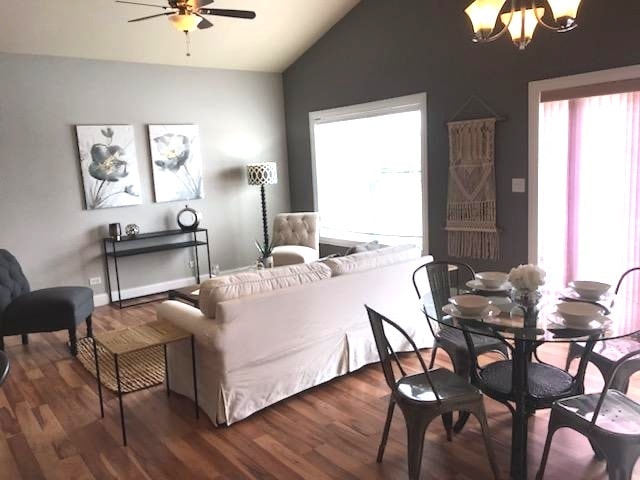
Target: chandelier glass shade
[{"x": 520, "y": 21}]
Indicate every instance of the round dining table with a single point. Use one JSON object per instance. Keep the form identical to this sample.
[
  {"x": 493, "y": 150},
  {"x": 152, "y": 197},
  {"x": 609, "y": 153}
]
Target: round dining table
[{"x": 507, "y": 323}]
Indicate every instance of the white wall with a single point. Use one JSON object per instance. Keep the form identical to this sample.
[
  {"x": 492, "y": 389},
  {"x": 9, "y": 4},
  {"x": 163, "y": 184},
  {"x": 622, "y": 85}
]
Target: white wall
[{"x": 42, "y": 216}]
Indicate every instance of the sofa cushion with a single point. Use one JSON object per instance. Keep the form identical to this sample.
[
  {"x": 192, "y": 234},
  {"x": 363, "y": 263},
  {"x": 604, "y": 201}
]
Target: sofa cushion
[
  {"x": 359, "y": 262},
  {"x": 238, "y": 285},
  {"x": 293, "y": 255}
]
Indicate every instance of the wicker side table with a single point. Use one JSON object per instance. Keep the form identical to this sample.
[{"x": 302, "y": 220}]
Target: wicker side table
[{"x": 134, "y": 339}]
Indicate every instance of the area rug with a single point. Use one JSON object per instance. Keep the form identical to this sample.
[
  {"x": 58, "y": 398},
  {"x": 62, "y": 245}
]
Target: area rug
[
  {"x": 471, "y": 196},
  {"x": 138, "y": 370}
]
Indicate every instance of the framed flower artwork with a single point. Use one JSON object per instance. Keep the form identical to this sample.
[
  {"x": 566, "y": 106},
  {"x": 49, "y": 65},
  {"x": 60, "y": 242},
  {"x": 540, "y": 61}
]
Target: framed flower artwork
[
  {"x": 109, "y": 165},
  {"x": 177, "y": 164}
]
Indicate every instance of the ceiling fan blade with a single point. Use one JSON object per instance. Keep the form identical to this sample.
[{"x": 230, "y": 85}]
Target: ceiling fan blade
[
  {"x": 151, "y": 16},
  {"x": 202, "y": 3},
  {"x": 143, "y": 4},
  {"x": 222, "y": 12},
  {"x": 204, "y": 23}
]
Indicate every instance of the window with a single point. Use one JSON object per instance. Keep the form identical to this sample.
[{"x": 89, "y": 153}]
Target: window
[
  {"x": 369, "y": 162},
  {"x": 589, "y": 180}
]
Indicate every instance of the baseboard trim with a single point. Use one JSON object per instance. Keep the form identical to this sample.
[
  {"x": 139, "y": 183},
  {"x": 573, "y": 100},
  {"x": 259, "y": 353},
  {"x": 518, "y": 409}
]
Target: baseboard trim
[{"x": 101, "y": 299}]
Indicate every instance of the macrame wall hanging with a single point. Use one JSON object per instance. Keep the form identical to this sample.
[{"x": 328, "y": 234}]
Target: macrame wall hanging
[{"x": 471, "y": 197}]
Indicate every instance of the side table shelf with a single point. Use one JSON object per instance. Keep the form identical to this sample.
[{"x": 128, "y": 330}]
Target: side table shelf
[{"x": 113, "y": 251}]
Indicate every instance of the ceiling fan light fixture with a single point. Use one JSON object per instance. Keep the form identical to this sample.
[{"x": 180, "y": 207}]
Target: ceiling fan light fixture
[{"x": 185, "y": 22}]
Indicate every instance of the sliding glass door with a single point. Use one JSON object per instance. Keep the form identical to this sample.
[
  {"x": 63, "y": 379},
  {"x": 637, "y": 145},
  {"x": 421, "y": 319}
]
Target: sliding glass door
[{"x": 589, "y": 187}]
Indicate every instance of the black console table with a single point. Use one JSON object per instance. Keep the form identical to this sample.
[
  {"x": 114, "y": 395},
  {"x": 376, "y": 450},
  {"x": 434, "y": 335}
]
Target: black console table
[{"x": 115, "y": 252}]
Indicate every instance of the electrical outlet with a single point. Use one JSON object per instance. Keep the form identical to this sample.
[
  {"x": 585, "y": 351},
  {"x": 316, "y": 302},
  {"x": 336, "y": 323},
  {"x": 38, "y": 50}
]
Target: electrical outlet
[
  {"x": 192, "y": 264},
  {"x": 95, "y": 281}
]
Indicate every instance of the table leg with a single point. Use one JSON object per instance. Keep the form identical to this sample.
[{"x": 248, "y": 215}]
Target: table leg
[
  {"x": 95, "y": 356},
  {"x": 520, "y": 427},
  {"x": 166, "y": 369},
  {"x": 124, "y": 432},
  {"x": 195, "y": 381}
]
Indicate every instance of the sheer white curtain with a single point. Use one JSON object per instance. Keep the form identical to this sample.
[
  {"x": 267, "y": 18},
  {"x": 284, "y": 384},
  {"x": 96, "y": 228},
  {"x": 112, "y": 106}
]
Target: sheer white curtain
[{"x": 589, "y": 181}]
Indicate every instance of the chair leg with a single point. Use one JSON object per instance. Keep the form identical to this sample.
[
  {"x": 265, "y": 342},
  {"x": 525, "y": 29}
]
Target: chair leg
[
  {"x": 553, "y": 426},
  {"x": 597, "y": 451},
  {"x": 434, "y": 350},
  {"x": 621, "y": 460},
  {"x": 2, "y": 343},
  {"x": 462, "y": 421},
  {"x": 89, "y": 327},
  {"x": 480, "y": 413},
  {"x": 25, "y": 339},
  {"x": 571, "y": 356},
  {"x": 385, "y": 433},
  {"x": 462, "y": 367},
  {"x": 73, "y": 341},
  {"x": 417, "y": 424},
  {"x": 447, "y": 420}
]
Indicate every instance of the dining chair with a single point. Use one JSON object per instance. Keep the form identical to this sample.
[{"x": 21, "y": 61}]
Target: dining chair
[
  {"x": 424, "y": 396},
  {"x": 607, "y": 353},
  {"x": 610, "y": 420},
  {"x": 545, "y": 383},
  {"x": 451, "y": 340},
  {"x": 5, "y": 365}
]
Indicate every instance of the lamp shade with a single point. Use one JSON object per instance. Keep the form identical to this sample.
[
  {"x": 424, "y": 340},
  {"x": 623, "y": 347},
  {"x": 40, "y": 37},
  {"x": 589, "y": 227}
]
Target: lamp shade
[
  {"x": 265, "y": 173},
  {"x": 565, "y": 11},
  {"x": 522, "y": 28},
  {"x": 483, "y": 15},
  {"x": 184, "y": 22}
]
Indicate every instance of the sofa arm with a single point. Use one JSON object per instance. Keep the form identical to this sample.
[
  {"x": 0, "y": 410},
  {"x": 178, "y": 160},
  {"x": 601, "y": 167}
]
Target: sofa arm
[{"x": 190, "y": 319}]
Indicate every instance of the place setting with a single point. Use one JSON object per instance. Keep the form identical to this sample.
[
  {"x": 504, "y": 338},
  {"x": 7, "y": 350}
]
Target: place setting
[
  {"x": 580, "y": 308},
  {"x": 490, "y": 282}
]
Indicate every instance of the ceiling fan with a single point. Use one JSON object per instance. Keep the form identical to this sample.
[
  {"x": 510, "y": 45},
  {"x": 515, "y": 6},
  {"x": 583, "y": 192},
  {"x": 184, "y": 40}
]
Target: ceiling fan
[{"x": 187, "y": 15}]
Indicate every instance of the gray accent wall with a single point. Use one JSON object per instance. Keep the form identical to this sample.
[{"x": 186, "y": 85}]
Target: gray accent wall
[
  {"x": 42, "y": 215},
  {"x": 385, "y": 49}
]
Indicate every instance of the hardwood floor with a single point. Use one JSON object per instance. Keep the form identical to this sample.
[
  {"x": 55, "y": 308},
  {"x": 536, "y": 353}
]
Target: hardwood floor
[{"x": 51, "y": 428}]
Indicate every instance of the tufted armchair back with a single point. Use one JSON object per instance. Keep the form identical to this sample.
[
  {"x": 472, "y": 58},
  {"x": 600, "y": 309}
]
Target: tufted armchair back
[
  {"x": 13, "y": 283},
  {"x": 297, "y": 229}
]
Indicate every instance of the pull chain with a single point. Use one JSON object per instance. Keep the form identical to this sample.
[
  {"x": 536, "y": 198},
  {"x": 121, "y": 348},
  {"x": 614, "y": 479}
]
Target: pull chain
[{"x": 188, "y": 42}]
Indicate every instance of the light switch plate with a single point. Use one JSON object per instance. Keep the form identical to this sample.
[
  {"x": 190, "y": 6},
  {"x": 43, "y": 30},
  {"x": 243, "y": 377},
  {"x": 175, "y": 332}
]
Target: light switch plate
[{"x": 518, "y": 185}]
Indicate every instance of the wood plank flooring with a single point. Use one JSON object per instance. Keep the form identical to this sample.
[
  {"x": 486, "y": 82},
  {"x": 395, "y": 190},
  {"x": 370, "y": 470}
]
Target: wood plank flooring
[{"x": 51, "y": 428}]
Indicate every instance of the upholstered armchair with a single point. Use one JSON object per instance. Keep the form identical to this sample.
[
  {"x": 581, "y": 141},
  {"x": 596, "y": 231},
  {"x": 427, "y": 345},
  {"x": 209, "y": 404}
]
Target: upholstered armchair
[
  {"x": 296, "y": 238},
  {"x": 23, "y": 311}
]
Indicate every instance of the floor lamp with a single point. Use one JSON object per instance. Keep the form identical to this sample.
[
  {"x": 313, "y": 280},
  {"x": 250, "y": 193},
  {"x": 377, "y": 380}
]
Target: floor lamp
[{"x": 262, "y": 174}]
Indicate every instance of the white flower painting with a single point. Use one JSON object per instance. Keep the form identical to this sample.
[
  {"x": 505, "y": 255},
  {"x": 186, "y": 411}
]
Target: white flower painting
[
  {"x": 177, "y": 164},
  {"x": 109, "y": 165}
]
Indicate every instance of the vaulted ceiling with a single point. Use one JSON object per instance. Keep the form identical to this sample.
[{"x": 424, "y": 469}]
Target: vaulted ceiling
[{"x": 98, "y": 29}]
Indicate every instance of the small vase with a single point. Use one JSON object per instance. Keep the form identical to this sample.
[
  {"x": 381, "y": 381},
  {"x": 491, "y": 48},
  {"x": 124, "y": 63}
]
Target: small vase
[
  {"x": 267, "y": 262},
  {"x": 528, "y": 301}
]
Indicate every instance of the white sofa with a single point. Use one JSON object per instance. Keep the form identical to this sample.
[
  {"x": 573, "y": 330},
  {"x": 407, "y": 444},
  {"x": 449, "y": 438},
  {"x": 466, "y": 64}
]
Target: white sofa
[{"x": 307, "y": 325}]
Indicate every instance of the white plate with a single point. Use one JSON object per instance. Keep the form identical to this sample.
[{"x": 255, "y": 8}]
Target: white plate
[
  {"x": 490, "y": 311},
  {"x": 557, "y": 321},
  {"x": 478, "y": 285}
]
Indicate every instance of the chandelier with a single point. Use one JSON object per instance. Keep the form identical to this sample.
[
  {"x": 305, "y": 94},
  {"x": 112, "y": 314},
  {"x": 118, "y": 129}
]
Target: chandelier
[{"x": 520, "y": 21}]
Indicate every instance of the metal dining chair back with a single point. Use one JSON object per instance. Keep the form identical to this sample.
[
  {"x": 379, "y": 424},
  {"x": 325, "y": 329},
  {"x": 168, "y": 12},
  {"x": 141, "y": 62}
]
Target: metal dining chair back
[
  {"x": 422, "y": 397},
  {"x": 436, "y": 278},
  {"x": 607, "y": 353},
  {"x": 610, "y": 420}
]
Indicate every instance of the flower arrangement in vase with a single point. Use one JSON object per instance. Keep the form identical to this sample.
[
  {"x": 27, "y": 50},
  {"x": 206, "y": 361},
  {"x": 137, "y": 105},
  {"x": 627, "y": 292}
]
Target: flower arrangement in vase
[{"x": 526, "y": 281}]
